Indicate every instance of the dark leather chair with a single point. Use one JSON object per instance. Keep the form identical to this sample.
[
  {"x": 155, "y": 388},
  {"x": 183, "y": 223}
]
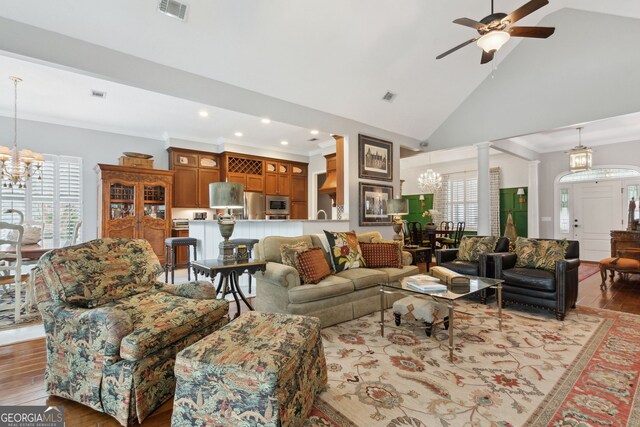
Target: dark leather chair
[
  {"x": 484, "y": 267},
  {"x": 556, "y": 290}
]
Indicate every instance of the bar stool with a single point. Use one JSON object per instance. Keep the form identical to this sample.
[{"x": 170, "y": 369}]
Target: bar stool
[
  {"x": 170, "y": 246},
  {"x": 249, "y": 244}
]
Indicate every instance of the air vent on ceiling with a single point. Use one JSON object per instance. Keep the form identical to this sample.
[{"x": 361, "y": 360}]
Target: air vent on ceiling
[
  {"x": 173, "y": 8},
  {"x": 389, "y": 96},
  {"x": 312, "y": 139},
  {"x": 98, "y": 94}
]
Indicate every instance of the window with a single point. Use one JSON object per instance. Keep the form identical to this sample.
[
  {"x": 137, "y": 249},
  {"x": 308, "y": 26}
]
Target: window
[
  {"x": 54, "y": 202},
  {"x": 461, "y": 199}
]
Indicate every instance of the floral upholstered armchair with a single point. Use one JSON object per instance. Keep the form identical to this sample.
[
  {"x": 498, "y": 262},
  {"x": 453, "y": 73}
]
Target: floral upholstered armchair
[{"x": 112, "y": 331}]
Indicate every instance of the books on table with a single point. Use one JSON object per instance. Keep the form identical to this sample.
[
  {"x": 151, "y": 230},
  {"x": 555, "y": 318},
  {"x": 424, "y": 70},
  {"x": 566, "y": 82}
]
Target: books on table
[{"x": 426, "y": 284}]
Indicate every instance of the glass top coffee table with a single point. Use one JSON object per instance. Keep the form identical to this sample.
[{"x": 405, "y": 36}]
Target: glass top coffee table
[{"x": 476, "y": 284}]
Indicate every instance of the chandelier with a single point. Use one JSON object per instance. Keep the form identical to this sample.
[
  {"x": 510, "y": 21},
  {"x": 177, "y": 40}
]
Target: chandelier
[
  {"x": 18, "y": 167},
  {"x": 579, "y": 156},
  {"x": 430, "y": 181}
]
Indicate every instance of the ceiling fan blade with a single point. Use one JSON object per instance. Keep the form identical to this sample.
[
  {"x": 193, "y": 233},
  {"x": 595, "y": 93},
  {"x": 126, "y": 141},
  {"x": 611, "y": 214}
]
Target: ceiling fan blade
[
  {"x": 524, "y": 10},
  {"x": 469, "y": 23},
  {"x": 487, "y": 57},
  {"x": 460, "y": 46},
  {"x": 535, "y": 32}
]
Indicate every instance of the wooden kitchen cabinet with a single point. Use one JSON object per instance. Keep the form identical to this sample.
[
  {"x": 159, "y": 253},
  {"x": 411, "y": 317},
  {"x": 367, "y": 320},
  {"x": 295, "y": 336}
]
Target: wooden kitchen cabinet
[
  {"x": 135, "y": 203},
  {"x": 186, "y": 180},
  {"x": 277, "y": 178},
  {"x": 206, "y": 177},
  {"x": 194, "y": 171},
  {"x": 299, "y": 196}
]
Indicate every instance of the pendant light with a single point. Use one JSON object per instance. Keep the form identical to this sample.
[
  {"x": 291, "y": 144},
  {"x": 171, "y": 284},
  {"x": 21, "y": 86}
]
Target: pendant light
[
  {"x": 18, "y": 167},
  {"x": 580, "y": 157}
]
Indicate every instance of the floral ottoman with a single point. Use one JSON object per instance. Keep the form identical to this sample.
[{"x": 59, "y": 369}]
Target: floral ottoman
[
  {"x": 419, "y": 309},
  {"x": 261, "y": 369}
]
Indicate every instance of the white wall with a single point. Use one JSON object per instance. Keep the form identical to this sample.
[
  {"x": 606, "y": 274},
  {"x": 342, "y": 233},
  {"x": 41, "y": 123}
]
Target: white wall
[
  {"x": 553, "y": 164},
  {"x": 513, "y": 169},
  {"x": 92, "y": 146}
]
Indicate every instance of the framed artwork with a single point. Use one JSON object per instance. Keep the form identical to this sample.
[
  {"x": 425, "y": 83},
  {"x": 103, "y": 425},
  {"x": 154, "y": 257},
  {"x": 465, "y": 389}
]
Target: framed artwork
[
  {"x": 375, "y": 158},
  {"x": 373, "y": 204}
]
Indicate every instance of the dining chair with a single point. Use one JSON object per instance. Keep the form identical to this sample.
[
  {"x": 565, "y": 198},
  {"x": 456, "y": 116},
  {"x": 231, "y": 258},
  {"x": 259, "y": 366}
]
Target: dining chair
[
  {"x": 73, "y": 239},
  {"x": 415, "y": 232},
  {"x": 11, "y": 265},
  {"x": 454, "y": 240},
  {"x": 446, "y": 226}
]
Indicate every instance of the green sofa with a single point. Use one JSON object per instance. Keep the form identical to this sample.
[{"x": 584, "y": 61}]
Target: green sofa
[
  {"x": 112, "y": 331},
  {"x": 338, "y": 298}
]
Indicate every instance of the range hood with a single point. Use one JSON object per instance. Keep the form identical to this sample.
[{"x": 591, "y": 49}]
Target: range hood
[
  {"x": 330, "y": 184},
  {"x": 334, "y": 183}
]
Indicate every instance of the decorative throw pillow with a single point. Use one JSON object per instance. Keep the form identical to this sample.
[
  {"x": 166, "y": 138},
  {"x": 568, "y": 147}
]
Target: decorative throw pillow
[
  {"x": 472, "y": 246},
  {"x": 527, "y": 252},
  {"x": 312, "y": 266},
  {"x": 382, "y": 255},
  {"x": 290, "y": 253},
  {"x": 345, "y": 250},
  {"x": 551, "y": 251},
  {"x": 398, "y": 243}
]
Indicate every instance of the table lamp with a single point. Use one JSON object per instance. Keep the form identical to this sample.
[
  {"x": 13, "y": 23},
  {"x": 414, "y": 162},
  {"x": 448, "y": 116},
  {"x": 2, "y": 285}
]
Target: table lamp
[
  {"x": 396, "y": 208},
  {"x": 226, "y": 195}
]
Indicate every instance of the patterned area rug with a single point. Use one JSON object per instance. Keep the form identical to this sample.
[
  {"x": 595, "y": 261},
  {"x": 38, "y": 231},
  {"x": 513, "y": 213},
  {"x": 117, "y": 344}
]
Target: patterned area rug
[
  {"x": 587, "y": 269},
  {"x": 537, "y": 371},
  {"x": 7, "y": 310}
]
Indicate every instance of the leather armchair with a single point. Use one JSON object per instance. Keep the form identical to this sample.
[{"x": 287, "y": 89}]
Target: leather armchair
[
  {"x": 557, "y": 291},
  {"x": 484, "y": 267}
]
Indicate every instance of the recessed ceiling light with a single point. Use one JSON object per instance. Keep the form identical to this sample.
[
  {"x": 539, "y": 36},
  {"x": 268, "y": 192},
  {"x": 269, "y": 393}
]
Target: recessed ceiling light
[
  {"x": 266, "y": 121},
  {"x": 284, "y": 142},
  {"x": 238, "y": 134},
  {"x": 314, "y": 132},
  {"x": 204, "y": 113}
]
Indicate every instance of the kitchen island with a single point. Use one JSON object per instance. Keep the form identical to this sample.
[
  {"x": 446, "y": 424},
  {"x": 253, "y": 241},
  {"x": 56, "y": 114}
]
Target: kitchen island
[{"x": 208, "y": 233}]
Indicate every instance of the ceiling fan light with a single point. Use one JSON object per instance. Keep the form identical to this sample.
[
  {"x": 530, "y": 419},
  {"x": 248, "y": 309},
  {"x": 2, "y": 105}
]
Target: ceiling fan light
[{"x": 493, "y": 40}]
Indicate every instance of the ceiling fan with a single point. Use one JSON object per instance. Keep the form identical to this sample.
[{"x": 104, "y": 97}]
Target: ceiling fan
[{"x": 496, "y": 29}]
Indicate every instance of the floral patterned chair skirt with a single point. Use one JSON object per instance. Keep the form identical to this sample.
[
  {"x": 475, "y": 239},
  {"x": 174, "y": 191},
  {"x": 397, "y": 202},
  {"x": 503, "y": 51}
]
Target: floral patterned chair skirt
[{"x": 261, "y": 369}]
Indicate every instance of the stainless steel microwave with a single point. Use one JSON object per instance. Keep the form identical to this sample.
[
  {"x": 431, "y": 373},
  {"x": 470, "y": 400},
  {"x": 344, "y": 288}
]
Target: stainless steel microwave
[{"x": 277, "y": 205}]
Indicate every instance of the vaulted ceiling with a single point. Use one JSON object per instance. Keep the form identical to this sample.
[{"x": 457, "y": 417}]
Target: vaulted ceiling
[{"x": 335, "y": 56}]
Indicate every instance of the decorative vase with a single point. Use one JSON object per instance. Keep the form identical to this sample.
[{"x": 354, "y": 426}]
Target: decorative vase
[{"x": 430, "y": 226}]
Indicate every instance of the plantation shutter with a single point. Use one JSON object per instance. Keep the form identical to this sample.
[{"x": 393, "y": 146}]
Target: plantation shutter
[
  {"x": 462, "y": 199},
  {"x": 70, "y": 192},
  {"x": 53, "y": 202}
]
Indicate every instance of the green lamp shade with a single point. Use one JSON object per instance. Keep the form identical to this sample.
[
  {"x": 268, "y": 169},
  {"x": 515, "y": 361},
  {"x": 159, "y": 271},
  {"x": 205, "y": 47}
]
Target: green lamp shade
[
  {"x": 226, "y": 195},
  {"x": 398, "y": 207}
]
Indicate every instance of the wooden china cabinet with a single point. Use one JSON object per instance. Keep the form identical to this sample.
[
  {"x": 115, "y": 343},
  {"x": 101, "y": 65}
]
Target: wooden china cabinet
[{"x": 135, "y": 203}]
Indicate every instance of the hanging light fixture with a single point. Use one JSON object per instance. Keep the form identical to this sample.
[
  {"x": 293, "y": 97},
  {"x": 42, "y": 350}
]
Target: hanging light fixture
[
  {"x": 429, "y": 181},
  {"x": 580, "y": 156},
  {"x": 493, "y": 40},
  {"x": 18, "y": 167}
]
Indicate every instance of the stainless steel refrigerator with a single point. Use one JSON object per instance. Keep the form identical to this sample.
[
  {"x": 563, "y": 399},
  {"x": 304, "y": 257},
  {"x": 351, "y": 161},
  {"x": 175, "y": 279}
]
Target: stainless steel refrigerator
[{"x": 253, "y": 206}]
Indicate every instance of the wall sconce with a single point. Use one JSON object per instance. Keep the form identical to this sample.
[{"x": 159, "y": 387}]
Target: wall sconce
[
  {"x": 521, "y": 196},
  {"x": 422, "y": 203}
]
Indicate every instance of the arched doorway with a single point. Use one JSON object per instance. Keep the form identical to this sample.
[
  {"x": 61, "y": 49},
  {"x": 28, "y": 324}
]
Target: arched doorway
[{"x": 589, "y": 204}]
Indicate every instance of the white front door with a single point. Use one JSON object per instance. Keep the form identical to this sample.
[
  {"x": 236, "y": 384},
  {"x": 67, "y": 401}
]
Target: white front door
[{"x": 596, "y": 211}]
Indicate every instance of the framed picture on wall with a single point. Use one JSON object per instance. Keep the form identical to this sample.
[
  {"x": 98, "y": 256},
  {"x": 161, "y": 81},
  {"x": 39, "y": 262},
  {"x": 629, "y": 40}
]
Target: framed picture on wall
[
  {"x": 375, "y": 158},
  {"x": 373, "y": 204}
]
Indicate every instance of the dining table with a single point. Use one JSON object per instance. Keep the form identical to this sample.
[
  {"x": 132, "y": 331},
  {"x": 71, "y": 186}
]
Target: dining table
[{"x": 30, "y": 254}]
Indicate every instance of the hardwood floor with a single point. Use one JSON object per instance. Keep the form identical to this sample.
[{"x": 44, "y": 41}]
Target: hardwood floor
[{"x": 22, "y": 365}]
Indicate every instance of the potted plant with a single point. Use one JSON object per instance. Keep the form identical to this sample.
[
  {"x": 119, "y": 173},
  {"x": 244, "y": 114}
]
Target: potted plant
[{"x": 429, "y": 214}]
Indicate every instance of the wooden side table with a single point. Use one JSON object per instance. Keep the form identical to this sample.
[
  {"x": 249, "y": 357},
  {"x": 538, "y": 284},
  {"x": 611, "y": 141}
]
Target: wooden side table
[
  {"x": 419, "y": 254},
  {"x": 229, "y": 272}
]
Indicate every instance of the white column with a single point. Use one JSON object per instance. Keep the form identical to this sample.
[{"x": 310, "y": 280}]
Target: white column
[
  {"x": 484, "y": 196},
  {"x": 533, "y": 214}
]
